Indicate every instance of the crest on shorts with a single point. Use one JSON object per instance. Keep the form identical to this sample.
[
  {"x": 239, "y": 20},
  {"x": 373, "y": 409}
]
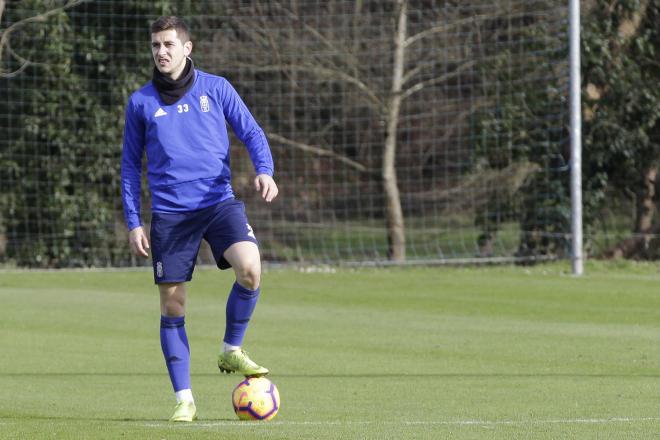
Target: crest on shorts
[{"x": 159, "y": 269}]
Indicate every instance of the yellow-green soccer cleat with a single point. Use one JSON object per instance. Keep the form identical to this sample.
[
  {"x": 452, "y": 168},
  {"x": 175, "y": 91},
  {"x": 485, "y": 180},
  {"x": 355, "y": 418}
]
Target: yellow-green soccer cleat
[
  {"x": 184, "y": 412},
  {"x": 237, "y": 361}
]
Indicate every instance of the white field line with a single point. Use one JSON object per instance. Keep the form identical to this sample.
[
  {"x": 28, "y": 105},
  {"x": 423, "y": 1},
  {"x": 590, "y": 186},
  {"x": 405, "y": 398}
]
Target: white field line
[{"x": 585, "y": 421}]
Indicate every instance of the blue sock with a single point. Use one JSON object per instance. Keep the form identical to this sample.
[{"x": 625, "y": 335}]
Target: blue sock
[
  {"x": 174, "y": 342},
  {"x": 240, "y": 305}
]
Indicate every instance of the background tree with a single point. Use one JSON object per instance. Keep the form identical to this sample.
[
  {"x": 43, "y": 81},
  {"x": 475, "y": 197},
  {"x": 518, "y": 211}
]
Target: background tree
[
  {"x": 20, "y": 62},
  {"x": 450, "y": 115},
  {"x": 367, "y": 61},
  {"x": 67, "y": 71},
  {"x": 621, "y": 130},
  {"x": 522, "y": 136}
]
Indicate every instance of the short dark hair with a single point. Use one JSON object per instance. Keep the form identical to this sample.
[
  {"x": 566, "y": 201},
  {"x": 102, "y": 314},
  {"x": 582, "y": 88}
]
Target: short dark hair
[{"x": 171, "y": 22}]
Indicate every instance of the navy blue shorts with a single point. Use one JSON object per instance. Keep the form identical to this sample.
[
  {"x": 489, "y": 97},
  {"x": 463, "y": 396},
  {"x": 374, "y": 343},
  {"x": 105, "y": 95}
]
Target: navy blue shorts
[{"x": 176, "y": 237}]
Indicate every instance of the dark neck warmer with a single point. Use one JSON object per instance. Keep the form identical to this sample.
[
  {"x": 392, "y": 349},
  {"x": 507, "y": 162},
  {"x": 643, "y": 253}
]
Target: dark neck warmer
[{"x": 171, "y": 90}]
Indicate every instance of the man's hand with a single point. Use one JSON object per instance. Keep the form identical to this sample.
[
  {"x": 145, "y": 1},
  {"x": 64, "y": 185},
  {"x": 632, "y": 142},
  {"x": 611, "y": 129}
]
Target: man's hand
[
  {"x": 266, "y": 185},
  {"x": 138, "y": 242}
]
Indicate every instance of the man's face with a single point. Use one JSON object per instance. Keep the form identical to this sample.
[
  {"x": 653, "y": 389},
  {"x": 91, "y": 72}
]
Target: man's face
[{"x": 169, "y": 52}]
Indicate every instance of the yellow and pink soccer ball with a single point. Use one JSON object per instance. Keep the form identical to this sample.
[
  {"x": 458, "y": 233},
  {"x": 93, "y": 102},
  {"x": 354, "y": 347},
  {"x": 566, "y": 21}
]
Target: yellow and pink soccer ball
[{"x": 256, "y": 398}]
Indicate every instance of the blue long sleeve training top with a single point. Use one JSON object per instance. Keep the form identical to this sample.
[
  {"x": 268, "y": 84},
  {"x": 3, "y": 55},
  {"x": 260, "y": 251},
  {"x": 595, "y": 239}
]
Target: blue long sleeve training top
[{"x": 187, "y": 147}]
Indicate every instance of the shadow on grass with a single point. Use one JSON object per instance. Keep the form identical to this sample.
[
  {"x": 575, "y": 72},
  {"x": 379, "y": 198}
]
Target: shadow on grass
[
  {"x": 165, "y": 422},
  {"x": 341, "y": 375}
]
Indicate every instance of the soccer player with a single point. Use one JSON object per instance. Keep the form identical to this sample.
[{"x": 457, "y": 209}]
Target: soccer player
[{"x": 178, "y": 118}]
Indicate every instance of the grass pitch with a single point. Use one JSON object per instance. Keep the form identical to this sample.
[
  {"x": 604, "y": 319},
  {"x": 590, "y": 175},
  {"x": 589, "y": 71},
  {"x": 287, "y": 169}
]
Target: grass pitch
[{"x": 417, "y": 353}]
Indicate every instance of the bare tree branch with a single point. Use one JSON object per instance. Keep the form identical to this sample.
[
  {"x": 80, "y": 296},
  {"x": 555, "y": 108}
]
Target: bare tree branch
[
  {"x": 325, "y": 72},
  {"x": 318, "y": 151},
  {"x": 482, "y": 185},
  {"x": 421, "y": 67},
  {"x": 455, "y": 125},
  {"x": 6, "y": 33},
  {"x": 24, "y": 61},
  {"x": 411, "y": 73},
  {"x": 437, "y": 80},
  {"x": 24, "y": 64},
  {"x": 256, "y": 33},
  {"x": 349, "y": 58},
  {"x": 457, "y": 24},
  {"x": 443, "y": 28}
]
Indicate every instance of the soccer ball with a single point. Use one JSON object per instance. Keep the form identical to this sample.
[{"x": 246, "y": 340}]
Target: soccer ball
[{"x": 256, "y": 398}]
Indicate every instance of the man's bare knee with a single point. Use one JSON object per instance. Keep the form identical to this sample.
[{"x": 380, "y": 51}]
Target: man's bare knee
[
  {"x": 246, "y": 261},
  {"x": 172, "y": 299},
  {"x": 249, "y": 276},
  {"x": 172, "y": 308}
]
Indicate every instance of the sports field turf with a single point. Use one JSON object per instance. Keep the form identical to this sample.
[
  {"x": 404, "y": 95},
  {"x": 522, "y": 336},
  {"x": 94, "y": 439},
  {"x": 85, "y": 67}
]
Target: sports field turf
[{"x": 417, "y": 353}]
